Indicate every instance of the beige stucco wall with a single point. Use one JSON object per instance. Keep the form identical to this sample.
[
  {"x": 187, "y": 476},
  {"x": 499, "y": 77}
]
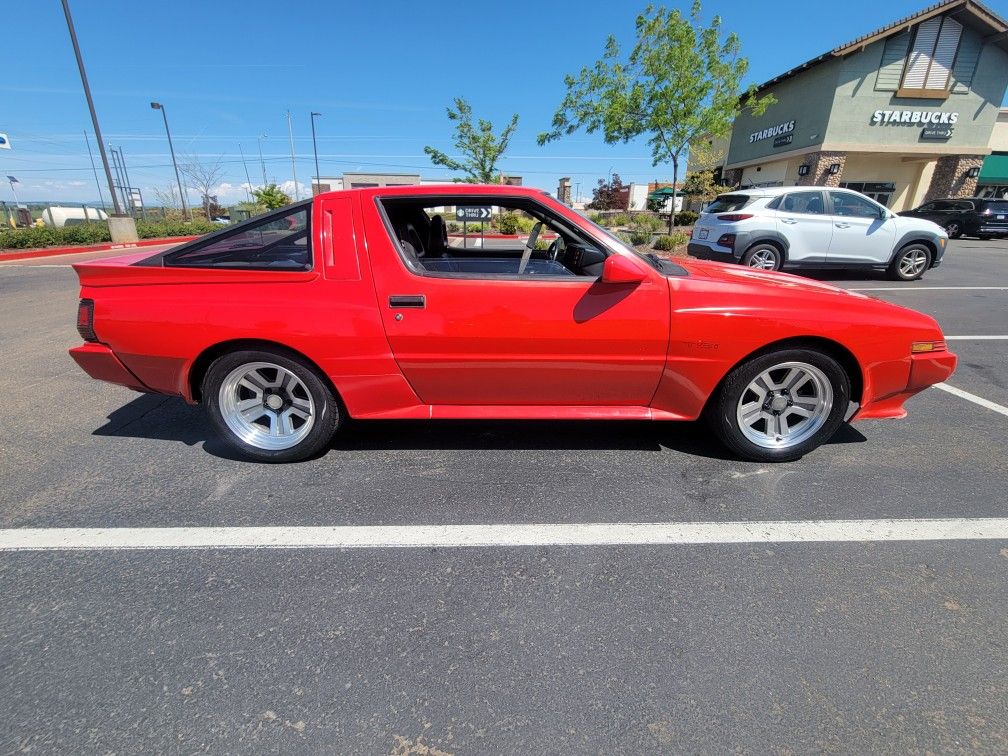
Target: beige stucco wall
[
  {"x": 873, "y": 166},
  {"x": 999, "y": 136}
]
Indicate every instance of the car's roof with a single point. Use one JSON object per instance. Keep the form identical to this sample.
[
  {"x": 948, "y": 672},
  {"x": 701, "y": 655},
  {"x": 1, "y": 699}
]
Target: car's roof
[
  {"x": 774, "y": 191},
  {"x": 455, "y": 189}
]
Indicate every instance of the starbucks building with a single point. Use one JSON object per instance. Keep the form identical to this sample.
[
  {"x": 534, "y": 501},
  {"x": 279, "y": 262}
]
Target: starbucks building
[{"x": 904, "y": 114}]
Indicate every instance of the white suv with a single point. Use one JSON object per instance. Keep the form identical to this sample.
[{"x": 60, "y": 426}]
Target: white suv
[{"x": 796, "y": 226}]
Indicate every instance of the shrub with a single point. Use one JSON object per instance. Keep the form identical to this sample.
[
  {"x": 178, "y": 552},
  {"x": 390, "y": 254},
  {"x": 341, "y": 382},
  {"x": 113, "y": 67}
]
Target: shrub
[
  {"x": 646, "y": 222},
  {"x": 37, "y": 237},
  {"x": 453, "y": 227},
  {"x": 686, "y": 218},
  {"x": 162, "y": 229},
  {"x": 637, "y": 238},
  {"x": 666, "y": 243},
  {"x": 507, "y": 223}
]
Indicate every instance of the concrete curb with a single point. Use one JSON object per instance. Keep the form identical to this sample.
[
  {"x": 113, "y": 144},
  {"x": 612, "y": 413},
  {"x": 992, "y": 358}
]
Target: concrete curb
[{"x": 56, "y": 251}]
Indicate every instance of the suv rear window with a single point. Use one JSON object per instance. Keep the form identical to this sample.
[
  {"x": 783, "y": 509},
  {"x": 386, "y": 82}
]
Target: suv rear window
[
  {"x": 999, "y": 208},
  {"x": 728, "y": 203}
]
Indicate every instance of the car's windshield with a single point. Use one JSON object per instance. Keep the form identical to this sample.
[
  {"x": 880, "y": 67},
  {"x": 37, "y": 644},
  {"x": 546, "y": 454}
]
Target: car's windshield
[
  {"x": 653, "y": 260},
  {"x": 1000, "y": 208}
]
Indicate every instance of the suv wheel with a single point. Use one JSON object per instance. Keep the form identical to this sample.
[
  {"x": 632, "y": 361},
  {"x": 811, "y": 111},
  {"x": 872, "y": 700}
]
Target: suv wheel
[
  {"x": 910, "y": 263},
  {"x": 763, "y": 256},
  {"x": 780, "y": 406},
  {"x": 953, "y": 229},
  {"x": 270, "y": 406}
]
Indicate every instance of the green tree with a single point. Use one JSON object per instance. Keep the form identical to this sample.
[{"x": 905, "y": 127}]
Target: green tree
[
  {"x": 681, "y": 80},
  {"x": 701, "y": 186},
  {"x": 479, "y": 147},
  {"x": 271, "y": 197}
]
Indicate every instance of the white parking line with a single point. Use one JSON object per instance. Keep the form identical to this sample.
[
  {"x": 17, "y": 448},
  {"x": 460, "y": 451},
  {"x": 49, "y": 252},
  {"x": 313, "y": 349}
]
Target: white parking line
[
  {"x": 979, "y": 400},
  {"x": 934, "y": 288},
  {"x": 976, "y": 338},
  {"x": 504, "y": 535}
]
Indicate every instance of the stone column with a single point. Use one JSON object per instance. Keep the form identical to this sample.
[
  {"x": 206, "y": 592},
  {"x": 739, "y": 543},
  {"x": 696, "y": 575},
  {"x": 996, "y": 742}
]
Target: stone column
[
  {"x": 731, "y": 176},
  {"x": 950, "y": 177},
  {"x": 819, "y": 169}
]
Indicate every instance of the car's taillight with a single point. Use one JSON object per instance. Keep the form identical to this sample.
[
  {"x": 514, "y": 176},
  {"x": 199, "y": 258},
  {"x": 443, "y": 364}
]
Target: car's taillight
[
  {"x": 921, "y": 347},
  {"x": 726, "y": 240},
  {"x": 734, "y": 217},
  {"x": 85, "y": 320}
]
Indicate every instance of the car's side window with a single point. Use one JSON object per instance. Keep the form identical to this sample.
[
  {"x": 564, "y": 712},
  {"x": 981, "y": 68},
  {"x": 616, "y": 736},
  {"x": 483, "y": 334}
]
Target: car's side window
[
  {"x": 930, "y": 207},
  {"x": 471, "y": 237},
  {"x": 853, "y": 206},
  {"x": 279, "y": 241},
  {"x": 808, "y": 203}
]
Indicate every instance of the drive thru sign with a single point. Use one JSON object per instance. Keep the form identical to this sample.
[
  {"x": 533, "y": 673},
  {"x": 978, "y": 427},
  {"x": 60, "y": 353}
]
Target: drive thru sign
[{"x": 472, "y": 213}]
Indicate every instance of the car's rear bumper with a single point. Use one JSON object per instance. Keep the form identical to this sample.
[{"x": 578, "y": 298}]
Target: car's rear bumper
[
  {"x": 100, "y": 362},
  {"x": 925, "y": 370},
  {"x": 703, "y": 251},
  {"x": 993, "y": 230}
]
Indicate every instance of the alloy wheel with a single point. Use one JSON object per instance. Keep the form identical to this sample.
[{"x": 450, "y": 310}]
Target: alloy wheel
[
  {"x": 784, "y": 405},
  {"x": 266, "y": 405},
  {"x": 763, "y": 258},
  {"x": 912, "y": 263}
]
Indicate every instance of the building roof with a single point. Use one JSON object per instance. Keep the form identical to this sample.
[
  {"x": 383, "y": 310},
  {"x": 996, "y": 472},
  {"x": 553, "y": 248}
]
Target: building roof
[{"x": 977, "y": 12}]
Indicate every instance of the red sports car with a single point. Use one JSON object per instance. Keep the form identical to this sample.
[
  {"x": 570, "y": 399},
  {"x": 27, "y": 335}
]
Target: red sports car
[{"x": 411, "y": 302}]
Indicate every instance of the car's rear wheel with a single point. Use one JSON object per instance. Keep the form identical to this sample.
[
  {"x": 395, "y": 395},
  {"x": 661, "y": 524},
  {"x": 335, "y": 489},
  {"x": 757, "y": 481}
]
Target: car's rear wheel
[
  {"x": 763, "y": 256},
  {"x": 953, "y": 229},
  {"x": 910, "y": 263},
  {"x": 779, "y": 406},
  {"x": 271, "y": 407}
]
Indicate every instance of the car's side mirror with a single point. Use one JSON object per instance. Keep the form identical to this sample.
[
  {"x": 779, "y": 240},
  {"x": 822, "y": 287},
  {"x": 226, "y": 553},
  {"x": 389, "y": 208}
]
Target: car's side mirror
[{"x": 619, "y": 269}]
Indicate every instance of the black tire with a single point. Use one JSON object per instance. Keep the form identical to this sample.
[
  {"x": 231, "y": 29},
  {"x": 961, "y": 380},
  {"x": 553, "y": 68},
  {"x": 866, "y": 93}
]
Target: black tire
[
  {"x": 953, "y": 229},
  {"x": 761, "y": 251},
  {"x": 724, "y": 408},
  {"x": 900, "y": 268},
  {"x": 325, "y": 410}
]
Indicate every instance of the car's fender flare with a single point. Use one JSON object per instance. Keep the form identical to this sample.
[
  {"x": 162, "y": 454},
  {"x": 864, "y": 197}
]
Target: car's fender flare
[
  {"x": 925, "y": 237},
  {"x": 749, "y": 240}
]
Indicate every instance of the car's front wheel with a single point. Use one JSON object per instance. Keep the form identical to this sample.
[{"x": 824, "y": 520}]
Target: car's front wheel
[
  {"x": 271, "y": 407},
  {"x": 779, "y": 406},
  {"x": 763, "y": 256},
  {"x": 910, "y": 263}
]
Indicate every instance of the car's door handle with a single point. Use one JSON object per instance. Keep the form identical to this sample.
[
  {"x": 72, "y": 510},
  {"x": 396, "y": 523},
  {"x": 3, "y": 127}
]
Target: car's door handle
[
  {"x": 414, "y": 301},
  {"x": 788, "y": 220},
  {"x": 843, "y": 225}
]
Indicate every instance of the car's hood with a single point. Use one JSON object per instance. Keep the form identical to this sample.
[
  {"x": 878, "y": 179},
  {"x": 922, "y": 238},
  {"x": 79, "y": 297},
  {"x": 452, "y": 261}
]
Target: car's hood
[{"x": 739, "y": 275}]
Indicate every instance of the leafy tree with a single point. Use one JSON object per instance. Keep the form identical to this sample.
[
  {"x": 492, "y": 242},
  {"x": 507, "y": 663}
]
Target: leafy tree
[
  {"x": 271, "y": 197},
  {"x": 480, "y": 148},
  {"x": 701, "y": 186},
  {"x": 607, "y": 195},
  {"x": 680, "y": 81}
]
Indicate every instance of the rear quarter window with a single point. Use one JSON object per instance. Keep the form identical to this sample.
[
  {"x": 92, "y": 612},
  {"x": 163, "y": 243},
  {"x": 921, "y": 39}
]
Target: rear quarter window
[{"x": 728, "y": 203}]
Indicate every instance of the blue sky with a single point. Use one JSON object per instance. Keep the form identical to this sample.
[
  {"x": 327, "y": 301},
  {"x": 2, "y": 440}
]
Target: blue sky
[{"x": 380, "y": 73}]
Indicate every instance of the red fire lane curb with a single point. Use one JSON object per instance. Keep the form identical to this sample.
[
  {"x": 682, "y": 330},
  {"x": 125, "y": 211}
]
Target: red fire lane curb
[{"x": 56, "y": 251}]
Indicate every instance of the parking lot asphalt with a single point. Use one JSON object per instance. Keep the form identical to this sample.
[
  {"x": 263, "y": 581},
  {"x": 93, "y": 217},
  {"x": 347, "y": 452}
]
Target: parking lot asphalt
[{"x": 749, "y": 647}]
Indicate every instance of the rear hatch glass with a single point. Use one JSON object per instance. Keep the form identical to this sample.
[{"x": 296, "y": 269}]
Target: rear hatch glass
[
  {"x": 728, "y": 203},
  {"x": 995, "y": 212}
]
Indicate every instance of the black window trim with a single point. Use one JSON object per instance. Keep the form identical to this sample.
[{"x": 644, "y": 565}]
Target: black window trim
[{"x": 165, "y": 258}]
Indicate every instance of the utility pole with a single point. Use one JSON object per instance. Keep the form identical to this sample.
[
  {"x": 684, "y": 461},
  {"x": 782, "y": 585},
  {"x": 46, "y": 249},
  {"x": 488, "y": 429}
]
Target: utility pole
[
  {"x": 290, "y": 134},
  {"x": 101, "y": 197},
  {"x": 318, "y": 176},
  {"x": 171, "y": 147},
  {"x": 262, "y": 163},
  {"x": 248, "y": 185},
  {"x": 94, "y": 121}
]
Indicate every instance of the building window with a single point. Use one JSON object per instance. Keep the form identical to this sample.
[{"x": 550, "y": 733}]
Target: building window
[{"x": 928, "y": 69}]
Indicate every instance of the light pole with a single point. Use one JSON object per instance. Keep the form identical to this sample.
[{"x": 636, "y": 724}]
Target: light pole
[
  {"x": 95, "y": 170},
  {"x": 171, "y": 148},
  {"x": 94, "y": 120},
  {"x": 248, "y": 187},
  {"x": 290, "y": 134},
  {"x": 318, "y": 176}
]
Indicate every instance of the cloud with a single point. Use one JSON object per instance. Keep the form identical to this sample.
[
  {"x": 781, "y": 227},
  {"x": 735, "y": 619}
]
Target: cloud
[{"x": 231, "y": 194}]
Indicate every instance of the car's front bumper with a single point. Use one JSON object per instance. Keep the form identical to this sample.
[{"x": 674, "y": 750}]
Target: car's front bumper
[
  {"x": 884, "y": 400},
  {"x": 100, "y": 362}
]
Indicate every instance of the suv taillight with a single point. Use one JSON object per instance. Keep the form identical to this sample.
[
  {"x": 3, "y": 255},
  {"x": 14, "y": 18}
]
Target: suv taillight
[
  {"x": 85, "y": 320},
  {"x": 733, "y": 217}
]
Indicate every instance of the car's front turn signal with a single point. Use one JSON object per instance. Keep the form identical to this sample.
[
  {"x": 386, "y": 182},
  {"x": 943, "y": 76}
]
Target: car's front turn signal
[{"x": 920, "y": 347}]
